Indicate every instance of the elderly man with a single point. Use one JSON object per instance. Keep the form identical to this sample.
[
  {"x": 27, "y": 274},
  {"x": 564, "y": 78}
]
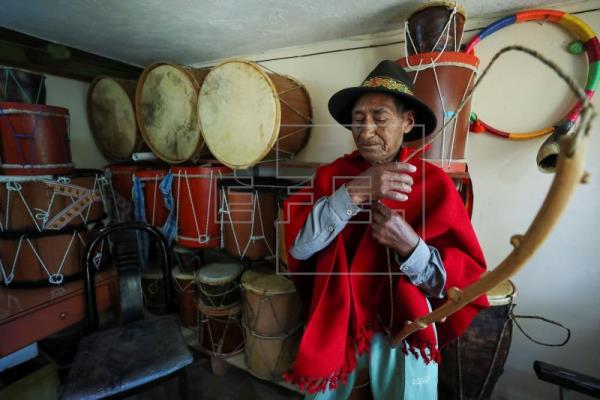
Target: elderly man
[{"x": 376, "y": 241}]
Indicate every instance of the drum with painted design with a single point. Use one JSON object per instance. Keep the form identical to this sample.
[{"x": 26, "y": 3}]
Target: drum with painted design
[
  {"x": 442, "y": 82},
  {"x": 435, "y": 26},
  {"x": 153, "y": 289},
  {"x": 155, "y": 209},
  {"x": 34, "y": 139},
  {"x": 219, "y": 330},
  {"x": 218, "y": 284},
  {"x": 185, "y": 296},
  {"x": 20, "y": 86},
  {"x": 166, "y": 110},
  {"x": 51, "y": 202},
  {"x": 186, "y": 259},
  {"x": 112, "y": 118},
  {"x": 473, "y": 363},
  {"x": 196, "y": 195},
  {"x": 272, "y": 319},
  {"x": 248, "y": 114}
]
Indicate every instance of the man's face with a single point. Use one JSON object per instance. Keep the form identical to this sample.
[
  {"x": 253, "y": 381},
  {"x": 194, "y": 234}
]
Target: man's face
[{"x": 378, "y": 127}]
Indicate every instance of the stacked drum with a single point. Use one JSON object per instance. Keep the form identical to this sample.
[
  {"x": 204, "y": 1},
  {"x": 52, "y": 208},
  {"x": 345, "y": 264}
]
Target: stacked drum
[{"x": 46, "y": 206}]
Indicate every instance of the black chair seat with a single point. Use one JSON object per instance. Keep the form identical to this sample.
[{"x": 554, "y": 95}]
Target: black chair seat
[{"x": 122, "y": 358}]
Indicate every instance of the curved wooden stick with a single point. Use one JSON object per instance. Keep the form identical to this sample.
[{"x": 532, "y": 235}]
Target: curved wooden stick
[{"x": 569, "y": 173}]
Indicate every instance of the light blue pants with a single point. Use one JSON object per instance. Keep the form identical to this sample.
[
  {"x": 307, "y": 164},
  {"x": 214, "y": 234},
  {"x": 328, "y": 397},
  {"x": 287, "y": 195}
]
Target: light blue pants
[{"x": 393, "y": 375}]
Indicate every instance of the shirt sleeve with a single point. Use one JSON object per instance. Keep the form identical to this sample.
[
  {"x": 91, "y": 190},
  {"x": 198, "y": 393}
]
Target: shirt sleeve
[
  {"x": 329, "y": 216},
  {"x": 425, "y": 269}
]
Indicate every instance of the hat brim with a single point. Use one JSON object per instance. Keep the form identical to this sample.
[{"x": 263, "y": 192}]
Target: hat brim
[{"x": 342, "y": 102}]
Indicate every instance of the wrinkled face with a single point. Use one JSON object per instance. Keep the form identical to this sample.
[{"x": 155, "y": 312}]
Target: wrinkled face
[{"x": 378, "y": 127}]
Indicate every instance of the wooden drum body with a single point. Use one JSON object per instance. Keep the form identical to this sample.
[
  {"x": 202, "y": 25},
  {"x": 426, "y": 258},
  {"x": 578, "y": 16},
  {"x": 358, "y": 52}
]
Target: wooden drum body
[
  {"x": 196, "y": 194},
  {"x": 218, "y": 284},
  {"x": 247, "y": 114},
  {"x": 34, "y": 139},
  {"x": 434, "y": 27},
  {"x": 473, "y": 363},
  {"x": 442, "y": 83},
  {"x": 272, "y": 318},
  {"x": 155, "y": 210},
  {"x": 166, "y": 110},
  {"x": 112, "y": 118},
  {"x": 219, "y": 330},
  {"x": 21, "y": 86},
  {"x": 185, "y": 296},
  {"x": 120, "y": 185}
]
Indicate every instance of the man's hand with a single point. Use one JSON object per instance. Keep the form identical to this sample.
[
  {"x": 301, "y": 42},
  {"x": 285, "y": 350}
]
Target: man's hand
[
  {"x": 383, "y": 181},
  {"x": 391, "y": 230}
]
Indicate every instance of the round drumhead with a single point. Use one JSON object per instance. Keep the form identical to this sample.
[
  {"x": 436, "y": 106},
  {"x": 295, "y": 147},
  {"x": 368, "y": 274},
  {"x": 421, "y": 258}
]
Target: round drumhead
[
  {"x": 239, "y": 113},
  {"x": 176, "y": 273},
  {"x": 260, "y": 282},
  {"x": 112, "y": 118},
  {"x": 152, "y": 274},
  {"x": 502, "y": 294},
  {"x": 218, "y": 273},
  {"x": 167, "y": 112}
]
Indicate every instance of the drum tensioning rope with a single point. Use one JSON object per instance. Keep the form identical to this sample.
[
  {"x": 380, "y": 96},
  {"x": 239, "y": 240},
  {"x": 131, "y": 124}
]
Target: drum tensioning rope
[{"x": 586, "y": 40}]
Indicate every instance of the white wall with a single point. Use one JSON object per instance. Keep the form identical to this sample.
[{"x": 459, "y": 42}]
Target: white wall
[{"x": 562, "y": 281}]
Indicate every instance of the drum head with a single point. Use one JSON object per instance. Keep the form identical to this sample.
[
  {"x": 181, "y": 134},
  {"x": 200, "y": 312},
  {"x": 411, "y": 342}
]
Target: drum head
[
  {"x": 166, "y": 112},
  {"x": 218, "y": 273},
  {"x": 239, "y": 113},
  {"x": 112, "y": 118},
  {"x": 152, "y": 274},
  {"x": 261, "y": 282},
  {"x": 502, "y": 294},
  {"x": 176, "y": 273}
]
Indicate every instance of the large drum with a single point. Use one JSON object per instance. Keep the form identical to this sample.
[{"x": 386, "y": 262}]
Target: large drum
[
  {"x": 436, "y": 26},
  {"x": 42, "y": 258},
  {"x": 21, "y": 86},
  {"x": 166, "y": 110},
  {"x": 37, "y": 203},
  {"x": 112, "y": 118},
  {"x": 155, "y": 209},
  {"x": 442, "y": 83},
  {"x": 219, "y": 330},
  {"x": 196, "y": 195},
  {"x": 120, "y": 177},
  {"x": 34, "y": 139},
  {"x": 272, "y": 319},
  {"x": 247, "y": 114},
  {"x": 249, "y": 214},
  {"x": 185, "y": 296},
  {"x": 474, "y": 362},
  {"x": 218, "y": 284}
]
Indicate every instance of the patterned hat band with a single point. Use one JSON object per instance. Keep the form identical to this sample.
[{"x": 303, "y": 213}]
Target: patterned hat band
[{"x": 387, "y": 83}]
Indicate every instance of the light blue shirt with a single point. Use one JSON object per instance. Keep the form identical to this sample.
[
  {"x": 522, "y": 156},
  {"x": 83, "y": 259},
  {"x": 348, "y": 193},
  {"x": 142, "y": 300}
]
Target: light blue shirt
[{"x": 330, "y": 214}]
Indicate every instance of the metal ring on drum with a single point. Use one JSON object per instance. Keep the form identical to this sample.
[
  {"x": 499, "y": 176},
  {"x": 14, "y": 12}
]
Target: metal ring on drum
[{"x": 272, "y": 114}]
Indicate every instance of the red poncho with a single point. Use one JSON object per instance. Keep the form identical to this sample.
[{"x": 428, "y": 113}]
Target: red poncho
[{"x": 345, "y": 310}]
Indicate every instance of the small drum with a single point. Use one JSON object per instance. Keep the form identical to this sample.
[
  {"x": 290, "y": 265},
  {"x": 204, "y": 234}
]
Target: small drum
[
  {"x": 272, "y": 319},
  {"x": 435, "y": 27},
  {"x": 185, "y": 296},
  {"x": 34, "y": 139},
  {"x": 42, "y": 258},
  {"x": 21, "y": 86},
  {"x": 166, "y": 110},
  {"x": 112, "y": 118},
  {"x": 249, "y": 221},
  {"x": 219, "y": 330},
  {"x": 187, "y": 260},
  {"x": 155, "y": 210},
  {"x": 120, "y": 178},
  {"x": 442, "y": 83},
  {"x": 474, "y": 362},
  {"x": 153, "y": 289},
  {"x": 49, "y": 202},
  {"x": 247, "y": 114},
  {"x": 196, "y": 194},
  {"x": 218, "y": 284}
]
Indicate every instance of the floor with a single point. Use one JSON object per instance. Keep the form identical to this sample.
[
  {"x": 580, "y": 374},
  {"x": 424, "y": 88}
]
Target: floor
[{"x": 236, "y": 384}]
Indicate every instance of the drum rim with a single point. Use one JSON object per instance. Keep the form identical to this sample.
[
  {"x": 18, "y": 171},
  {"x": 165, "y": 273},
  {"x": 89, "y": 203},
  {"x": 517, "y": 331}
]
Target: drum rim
[
  {"x": 177, "y": 170},
  {"x": 41, "y": 108},
  {"x": 507, "y": 299},
  {"x": 138, "y": 142},
  {"x": 177, "y": 273},
  {"x": 77, "y": 173},
  {"x": 245, "y": 285},
  {"x": 200, "y": 143},
  {"x": 219, "y": 311},
  {"x": 152, "y": 274},
  {"x": 277, "y": 125},
  {"x": 460, "y": 9},
  {"x": 455, "y": 57},
  {"x": 220, "y": 281}
]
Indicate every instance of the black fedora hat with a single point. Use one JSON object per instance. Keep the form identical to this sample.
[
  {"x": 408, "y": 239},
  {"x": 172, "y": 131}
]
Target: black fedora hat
[{"x": 390, "y": 78}]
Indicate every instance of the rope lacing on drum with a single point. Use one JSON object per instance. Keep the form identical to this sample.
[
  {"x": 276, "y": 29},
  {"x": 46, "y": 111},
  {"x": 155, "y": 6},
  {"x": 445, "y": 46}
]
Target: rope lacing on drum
[
  {"x": 201, "y": 238},
  {"x": 9, "y": 74}
]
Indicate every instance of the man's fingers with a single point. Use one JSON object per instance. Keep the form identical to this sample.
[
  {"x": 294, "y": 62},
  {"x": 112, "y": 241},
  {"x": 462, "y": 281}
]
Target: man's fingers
[
  {"x": 400, "y": 187},
  {"x": 394, "y": 195},
  {"x": 398, "y": 166}
]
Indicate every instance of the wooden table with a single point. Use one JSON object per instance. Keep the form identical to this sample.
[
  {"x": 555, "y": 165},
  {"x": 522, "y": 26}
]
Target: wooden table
[{"x": 28, "y": 315}]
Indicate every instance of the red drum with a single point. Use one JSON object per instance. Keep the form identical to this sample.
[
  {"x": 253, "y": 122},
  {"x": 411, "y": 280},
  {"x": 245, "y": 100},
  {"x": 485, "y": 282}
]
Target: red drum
[
  {"x": 185, "y": 296},
  {"x": 36, "y": 258},
  {"x": 22, "y": 86},
  {"x": 51, "y": 202},
  {"x": 249, "y": 222},
  {"x": 154, "y": 205},
  {"x": 196, "y": 194},
  {"x": 436, "y": 26},
  {"x": 120, "y": 179},
  {"x": 219, "y": 330},
  {"x": 443, "y": 80},
  {"x": 34, "y": 139}
]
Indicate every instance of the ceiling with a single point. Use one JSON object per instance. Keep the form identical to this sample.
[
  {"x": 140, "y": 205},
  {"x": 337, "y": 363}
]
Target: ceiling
[{"x": 139, "y": 32}]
